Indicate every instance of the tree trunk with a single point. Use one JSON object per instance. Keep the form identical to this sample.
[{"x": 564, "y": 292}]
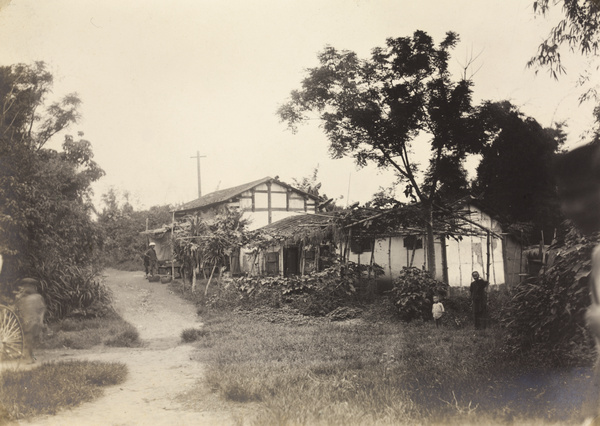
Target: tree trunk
[
  {"x": 210, "y": 278},
  {"x": 430, "y": 242},
  {"x": 193, "y": 279}
]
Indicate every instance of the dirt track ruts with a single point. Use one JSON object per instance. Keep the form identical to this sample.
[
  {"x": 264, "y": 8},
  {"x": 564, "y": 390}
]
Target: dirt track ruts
[{"x": 159, "y": 372}]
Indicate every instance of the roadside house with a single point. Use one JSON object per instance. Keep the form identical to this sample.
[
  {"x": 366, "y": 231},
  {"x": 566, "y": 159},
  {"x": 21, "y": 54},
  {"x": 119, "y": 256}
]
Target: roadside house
[
  {"x": 263, "y": 201},
  {"x": 481, "y": 245}
]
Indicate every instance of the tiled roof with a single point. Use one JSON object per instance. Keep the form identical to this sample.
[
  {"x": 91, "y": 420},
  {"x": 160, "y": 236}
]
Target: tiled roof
[
  {"x": 225, "y": 195},
  {"x": 293, "y": 224}
]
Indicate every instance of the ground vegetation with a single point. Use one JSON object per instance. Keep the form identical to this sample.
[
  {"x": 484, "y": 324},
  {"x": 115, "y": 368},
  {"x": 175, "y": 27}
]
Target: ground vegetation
[{"x": 35, "y": 392}]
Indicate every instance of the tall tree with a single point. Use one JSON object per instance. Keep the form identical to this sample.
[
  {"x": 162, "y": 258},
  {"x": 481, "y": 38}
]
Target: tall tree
[
  {"x": 45, "y": 213},
  {"x": 514, "y": 175},
  {"x": 375, "y": 109}
]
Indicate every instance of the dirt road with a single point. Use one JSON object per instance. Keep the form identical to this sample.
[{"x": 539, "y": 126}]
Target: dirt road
[{"x": 159, "y": 373}]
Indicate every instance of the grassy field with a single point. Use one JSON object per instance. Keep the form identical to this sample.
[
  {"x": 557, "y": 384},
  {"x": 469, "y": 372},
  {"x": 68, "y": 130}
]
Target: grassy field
[
  {"x": 36, "y": 392},
  {"x": 310, "y": 371},
  {"x": 85, "y": 333}
]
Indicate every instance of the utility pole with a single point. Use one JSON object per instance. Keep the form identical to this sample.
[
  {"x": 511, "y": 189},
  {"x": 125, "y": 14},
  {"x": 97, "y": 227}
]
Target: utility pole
[{"x": 198, "y": 157}]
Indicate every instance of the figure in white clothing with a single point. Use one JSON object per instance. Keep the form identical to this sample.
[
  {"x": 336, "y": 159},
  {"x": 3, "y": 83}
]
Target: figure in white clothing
[{"x": 437, "y": 310}]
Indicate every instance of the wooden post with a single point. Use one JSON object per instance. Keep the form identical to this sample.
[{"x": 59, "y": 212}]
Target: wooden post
[
  {"x": 425, "y": 253},
  {"x": 372, "y": 256},
  {"x": 348, "y": 247},
  {"x": 488, "y": 257},
  {"x": 302, "y": 259},
  {"x": 173, "y": 246},
  {"x": 444, "y": 259},
  {"x": 390, "y": 257}
]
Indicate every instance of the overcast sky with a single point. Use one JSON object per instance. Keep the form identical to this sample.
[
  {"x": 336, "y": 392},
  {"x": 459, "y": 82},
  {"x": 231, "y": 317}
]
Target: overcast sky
[{"x": 161, "y": 80}]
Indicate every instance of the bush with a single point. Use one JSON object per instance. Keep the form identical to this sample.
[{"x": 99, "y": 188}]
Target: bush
[
  {"x": 413, "y": 293},
  {"x": 546, "y": 313},
  {"x": 317, "y": 293},
  {"x": 70, "y": 290},
  {"x": 190, "y": 335},
  {"x": 458, "y": 310},
  {"x": 125, "y": 336}
]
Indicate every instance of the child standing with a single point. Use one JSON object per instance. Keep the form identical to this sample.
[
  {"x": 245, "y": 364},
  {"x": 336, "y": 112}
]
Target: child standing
[{"x": 437, "y": 310}]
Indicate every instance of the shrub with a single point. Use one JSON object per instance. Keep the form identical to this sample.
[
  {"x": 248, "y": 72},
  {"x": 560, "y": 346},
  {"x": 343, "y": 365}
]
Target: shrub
[
  {"x": 546, "y": 313},
  {"x": 124, "y": 337},
  {"x": 190, "y": 335},
  {"x": 458, "y": 310},
  {"x": 72, "y": 291},
  {"x": 317, "y": 293},
  {"x": 413, "y": 293}
]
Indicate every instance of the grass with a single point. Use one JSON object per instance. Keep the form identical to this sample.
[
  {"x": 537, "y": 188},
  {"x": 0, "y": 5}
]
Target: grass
[
  {"x": 192, "y": 334},
  {"x": 85, "y": 333},
  {"x": 37, "y": 392},
  {"x": 313, "y": 372}
]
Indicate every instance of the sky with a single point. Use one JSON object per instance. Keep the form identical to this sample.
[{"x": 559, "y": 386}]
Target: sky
[{"x": 163, "y": 80}]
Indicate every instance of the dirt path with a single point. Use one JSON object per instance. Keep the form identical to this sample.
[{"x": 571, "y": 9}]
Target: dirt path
[{"x": 158, "y": 373}]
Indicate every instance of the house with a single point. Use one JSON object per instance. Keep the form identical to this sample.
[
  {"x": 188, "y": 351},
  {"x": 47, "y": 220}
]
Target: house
[
  {"x": 263, "y": 201},
  {"x": 294, "y": 245},
  {"x": 481, "y": 245}
]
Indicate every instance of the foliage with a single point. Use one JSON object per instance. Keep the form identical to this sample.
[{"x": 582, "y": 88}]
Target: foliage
[
  {"x": 547, "y": 313},
  {"x": 413, "y": 293},
  {"x": 579, "y": 30},
  {"x": 47, "y": 193},
  {"x": 192, "y": 334},
  {"x": 124, "y": 338},
  {"x": 71, "y": 290},
  {"x": 121, "y": 226},
  {"x": 35, "y": 392},
  {"x": 45, "y": 216},
  {"x": 514, "y": 175},
  {"x": 374, "y": 109},
  {"x": 208, "y": 243},
  {"x": 315, "y": 293},
  {"x": 311, "y": 185}
]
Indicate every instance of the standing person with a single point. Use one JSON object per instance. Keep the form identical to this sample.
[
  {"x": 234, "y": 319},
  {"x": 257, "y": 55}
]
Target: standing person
[
  {"x": 437, "y": 310},
  {"x": 31, "y": 309},
  {"x": 146, "y": 257},
  {"x": 152, "y": 260},
  {"x": 479, "y": 297},
  {"x": 577, "y": 174}
]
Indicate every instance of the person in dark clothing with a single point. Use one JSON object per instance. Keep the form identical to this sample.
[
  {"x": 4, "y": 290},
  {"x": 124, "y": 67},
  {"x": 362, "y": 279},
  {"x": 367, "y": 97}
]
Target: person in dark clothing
[
  {"x": 479, "y": 298},
  {"x": 150, "y": 261}
]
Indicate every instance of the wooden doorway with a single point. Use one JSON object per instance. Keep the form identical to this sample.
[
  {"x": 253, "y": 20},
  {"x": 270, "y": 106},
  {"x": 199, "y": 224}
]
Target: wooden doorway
[{"x": 291, "y": 261}]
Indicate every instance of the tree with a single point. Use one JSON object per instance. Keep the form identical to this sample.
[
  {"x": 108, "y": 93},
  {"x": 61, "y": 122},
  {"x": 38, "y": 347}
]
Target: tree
[
  {"x": 579, "y": 30},
  {"x": 375, "y": 109},
  {"x": 312, "y": 185},
  {"x": 514, "y": 175},
  {"x": 45, "y": 213},
  {"x": 122, "y": 225},
  {"x": 209, "y": 243}
]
